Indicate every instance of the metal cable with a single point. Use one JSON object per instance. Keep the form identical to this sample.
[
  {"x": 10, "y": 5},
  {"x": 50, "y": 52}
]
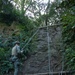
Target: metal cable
[
  {"x": 30, "y": 39},
  {"x": 49, "y": 53},
  {"x": 48, "y": 38}
]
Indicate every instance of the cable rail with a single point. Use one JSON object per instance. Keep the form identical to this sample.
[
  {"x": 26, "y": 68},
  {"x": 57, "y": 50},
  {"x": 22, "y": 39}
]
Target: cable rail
[
  {"x": 55, "y": 73},
  {"x": 49, "y": 25},
  {"x": 49, "y": 53},
  {"x": 62, "y": 72},
  {"x": 30, "y": 39},
  {"x": 37, "y": 29}
]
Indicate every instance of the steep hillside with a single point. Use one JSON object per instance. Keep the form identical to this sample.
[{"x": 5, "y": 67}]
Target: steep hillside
[{"x": 39, "y": 62}]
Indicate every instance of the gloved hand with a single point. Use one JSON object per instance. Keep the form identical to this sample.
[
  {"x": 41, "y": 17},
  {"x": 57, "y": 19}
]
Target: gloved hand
[{"x": 22, "y": 51}]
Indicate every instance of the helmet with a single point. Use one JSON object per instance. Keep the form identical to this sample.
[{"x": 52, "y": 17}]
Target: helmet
[{"x": 16, "y": 42}]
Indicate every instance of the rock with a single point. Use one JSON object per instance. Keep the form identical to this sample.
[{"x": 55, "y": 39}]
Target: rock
[{"x": 39, "y": 63}]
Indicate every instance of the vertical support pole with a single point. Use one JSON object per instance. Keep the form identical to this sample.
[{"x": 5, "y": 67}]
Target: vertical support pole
[
  {"x": 49, "y": 55},
  {"x": 63, "y": 54},
  {"x": 48, "y": 41}
]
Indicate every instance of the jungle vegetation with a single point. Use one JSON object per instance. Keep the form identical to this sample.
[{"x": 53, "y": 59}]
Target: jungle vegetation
[
  {"x": 17, "y": 12},
  {"x": 68, "y": 20}
]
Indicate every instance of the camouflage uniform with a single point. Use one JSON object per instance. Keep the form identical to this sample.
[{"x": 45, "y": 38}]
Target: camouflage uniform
[{"x": 15, "y": 59}]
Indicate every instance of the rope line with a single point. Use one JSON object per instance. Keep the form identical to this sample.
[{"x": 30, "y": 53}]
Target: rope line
[
  {"x": 30, "y": 38},
  {"x": 63, "y": 56},
  {"x": 35, "y": 34},
  {"x": 49, "y": 39},
  {"x": 55, "y": 73},
  {"x": 49, "y": 54}
]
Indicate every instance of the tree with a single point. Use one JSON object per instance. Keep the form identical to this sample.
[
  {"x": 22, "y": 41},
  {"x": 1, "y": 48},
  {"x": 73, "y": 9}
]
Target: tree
[{"x": 68, "y": 20}]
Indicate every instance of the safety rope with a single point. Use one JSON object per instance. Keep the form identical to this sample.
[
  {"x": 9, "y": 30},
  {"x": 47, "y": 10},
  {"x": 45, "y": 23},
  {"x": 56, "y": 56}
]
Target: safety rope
[
  {"x": 30, "y": 39},
  {"x": 62, "y": 47},
  {"x": 49, "y": 53},
  {"x": 55, "y": 73},
  {"x": 48, "y": 38}
]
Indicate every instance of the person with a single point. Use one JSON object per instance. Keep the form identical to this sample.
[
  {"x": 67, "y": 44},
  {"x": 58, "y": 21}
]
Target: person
[{"x": 15, "y": 51}]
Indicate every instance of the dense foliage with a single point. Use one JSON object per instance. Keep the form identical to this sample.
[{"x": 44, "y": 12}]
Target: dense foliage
[
  {"x": 68, "y": 20},
  {"x": 22, "y": 31},
  {"x": 13, "y": 12}
]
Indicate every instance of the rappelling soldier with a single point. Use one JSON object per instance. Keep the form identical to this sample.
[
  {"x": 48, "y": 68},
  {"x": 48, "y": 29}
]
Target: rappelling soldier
[{"x": 16, "y": 51}]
